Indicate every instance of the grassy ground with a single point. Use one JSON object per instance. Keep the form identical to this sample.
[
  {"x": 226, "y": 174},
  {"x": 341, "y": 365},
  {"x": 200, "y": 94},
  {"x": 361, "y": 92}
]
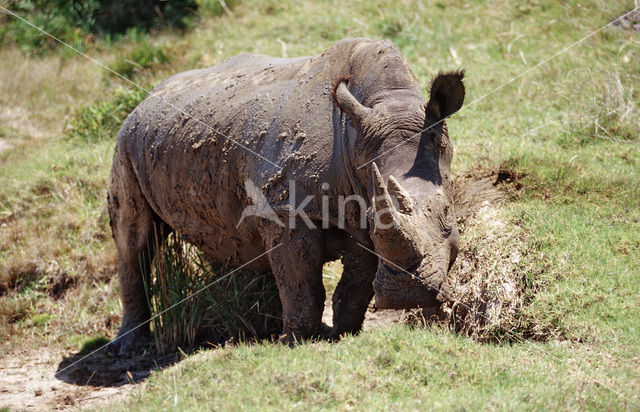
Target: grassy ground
[{"x": 569, "y": 127}]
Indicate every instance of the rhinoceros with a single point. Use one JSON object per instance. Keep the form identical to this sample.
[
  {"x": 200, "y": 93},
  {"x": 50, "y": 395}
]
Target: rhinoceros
[{"x": 209, "y": 143}]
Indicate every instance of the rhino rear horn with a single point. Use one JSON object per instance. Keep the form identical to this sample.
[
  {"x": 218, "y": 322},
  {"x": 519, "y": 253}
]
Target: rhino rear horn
[
  {"x": 357, "y": 112},
  {"x": 403, "y": 197}
]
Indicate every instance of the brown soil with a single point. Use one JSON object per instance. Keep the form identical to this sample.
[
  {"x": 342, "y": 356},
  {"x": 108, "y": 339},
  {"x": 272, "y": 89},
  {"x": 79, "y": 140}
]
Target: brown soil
[
  {"x": 630, "y": 22},
  {"x": 38, "y": 380},
  {"x": 27, "y": 376},
  {"x": 27, "y": 382}
]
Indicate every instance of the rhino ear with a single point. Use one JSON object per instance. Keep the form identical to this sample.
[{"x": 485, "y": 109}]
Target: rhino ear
[
  {"x": 447, "y": 94},
  {"x": 342, "y": 97}
]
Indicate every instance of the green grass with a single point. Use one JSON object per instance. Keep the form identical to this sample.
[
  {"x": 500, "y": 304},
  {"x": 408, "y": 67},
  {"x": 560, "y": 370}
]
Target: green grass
[
  {"x": 102, "y": 119},
  {"x": 91, "y": 344},
  {"x": 397, "y": 368},
  {"x": 578, "y": 212}
]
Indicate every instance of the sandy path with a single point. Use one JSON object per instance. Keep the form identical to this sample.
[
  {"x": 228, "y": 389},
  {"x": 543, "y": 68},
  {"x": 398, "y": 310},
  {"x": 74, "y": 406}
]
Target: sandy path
[{"x": 27, "y": 382}]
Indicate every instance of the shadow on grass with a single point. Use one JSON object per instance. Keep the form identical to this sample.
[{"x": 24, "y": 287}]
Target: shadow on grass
[{"x": 106, "y": 370}]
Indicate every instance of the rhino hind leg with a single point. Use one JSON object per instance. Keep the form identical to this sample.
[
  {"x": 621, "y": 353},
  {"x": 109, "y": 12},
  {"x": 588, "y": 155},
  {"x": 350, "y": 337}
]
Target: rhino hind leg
[
  {"x": 297, "y": 267},
  {"x": 354, "y": 292},
  {"x": 136, "y": 232}
]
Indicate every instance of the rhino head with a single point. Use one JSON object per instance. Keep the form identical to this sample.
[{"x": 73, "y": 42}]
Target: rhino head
[{"x": 412, "y": 223}]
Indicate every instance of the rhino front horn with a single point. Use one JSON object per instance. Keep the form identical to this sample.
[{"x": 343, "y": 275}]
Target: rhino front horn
[{"x": 382, "y": 200}]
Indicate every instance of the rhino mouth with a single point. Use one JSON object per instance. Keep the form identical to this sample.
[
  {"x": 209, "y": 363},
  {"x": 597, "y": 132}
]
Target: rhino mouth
[{"x": 396, "y": 289}]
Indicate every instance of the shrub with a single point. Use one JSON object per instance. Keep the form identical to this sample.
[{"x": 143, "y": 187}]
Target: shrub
[
  {"x": 145, "y": 56},
  {"x": 196, "y": 301},
  {"x": 72, "y": 20},
  {"x": 103, "y": 119}
]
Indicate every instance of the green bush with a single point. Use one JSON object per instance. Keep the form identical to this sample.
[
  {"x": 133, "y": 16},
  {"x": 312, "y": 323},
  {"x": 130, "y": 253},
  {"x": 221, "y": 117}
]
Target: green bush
[
  {"x": 72, "y": 20},
  {"x": 103, "y": 119},
  {"x": 241, "y": 305},
  {"x": 145, "y": 56}
]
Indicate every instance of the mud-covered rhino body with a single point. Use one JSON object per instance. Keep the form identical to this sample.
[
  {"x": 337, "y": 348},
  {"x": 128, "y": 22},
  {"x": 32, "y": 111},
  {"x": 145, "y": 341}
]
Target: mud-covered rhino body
[{"x": 184, "y": 156}]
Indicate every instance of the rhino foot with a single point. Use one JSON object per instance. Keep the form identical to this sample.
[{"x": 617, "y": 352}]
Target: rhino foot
[{"x": 129, "y": 341}]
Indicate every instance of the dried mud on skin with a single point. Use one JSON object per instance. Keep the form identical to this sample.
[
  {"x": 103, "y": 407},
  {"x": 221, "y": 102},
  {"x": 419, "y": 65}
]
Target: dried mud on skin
[{"x": 630, "y": 22}]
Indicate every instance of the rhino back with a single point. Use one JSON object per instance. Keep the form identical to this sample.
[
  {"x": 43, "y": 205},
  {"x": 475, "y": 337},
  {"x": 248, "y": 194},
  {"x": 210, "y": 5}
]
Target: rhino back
[{"x": 201, "y": 134}]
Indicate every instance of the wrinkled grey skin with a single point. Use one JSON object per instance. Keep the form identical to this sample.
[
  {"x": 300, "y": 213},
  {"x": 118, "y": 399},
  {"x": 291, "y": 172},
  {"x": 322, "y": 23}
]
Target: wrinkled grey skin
[{"x": 320, "y": 118}]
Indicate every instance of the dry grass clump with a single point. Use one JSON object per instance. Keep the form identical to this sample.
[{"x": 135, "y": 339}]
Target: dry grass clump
[
  {"x": 487, "y": 281},
  {"x": 608, "y": 111},
  {"x": 488, "y": 284}
]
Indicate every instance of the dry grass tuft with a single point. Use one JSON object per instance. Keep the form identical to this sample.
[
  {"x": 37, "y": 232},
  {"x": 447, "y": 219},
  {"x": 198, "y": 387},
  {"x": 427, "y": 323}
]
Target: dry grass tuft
[{"x": 607, "y": 112}]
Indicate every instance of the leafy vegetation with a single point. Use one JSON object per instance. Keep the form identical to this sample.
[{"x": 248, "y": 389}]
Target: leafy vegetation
[
  {"x": 102, "y": 119},
  {"x": 144, "y": 57},
  {"x": 76, "y": 22}
]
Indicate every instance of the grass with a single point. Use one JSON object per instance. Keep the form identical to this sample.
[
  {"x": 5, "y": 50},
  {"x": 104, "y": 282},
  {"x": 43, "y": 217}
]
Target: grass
[
  {"x": 570, "y": 127},
  {"x": 397, "y": 368},
  {"x": 102, "y": 119}
]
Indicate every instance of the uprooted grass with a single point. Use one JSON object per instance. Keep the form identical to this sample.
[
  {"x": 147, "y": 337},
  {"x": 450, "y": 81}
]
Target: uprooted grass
[
  {"x": 490, "y": 282},
  {"x": 487, "y": 282}
]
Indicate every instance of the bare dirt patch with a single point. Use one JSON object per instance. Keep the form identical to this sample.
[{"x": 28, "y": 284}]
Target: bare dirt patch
[
  {"x": 28, "y": 379},
  {"x": 630, "y": 22},
  {"x": 27, "y": 382}
]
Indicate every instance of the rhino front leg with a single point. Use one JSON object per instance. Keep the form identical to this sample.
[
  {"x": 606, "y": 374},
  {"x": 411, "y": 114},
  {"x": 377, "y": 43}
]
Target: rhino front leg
[
  {"x": 354, "y": 291},
  {"x": 297, "y": 268}
]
